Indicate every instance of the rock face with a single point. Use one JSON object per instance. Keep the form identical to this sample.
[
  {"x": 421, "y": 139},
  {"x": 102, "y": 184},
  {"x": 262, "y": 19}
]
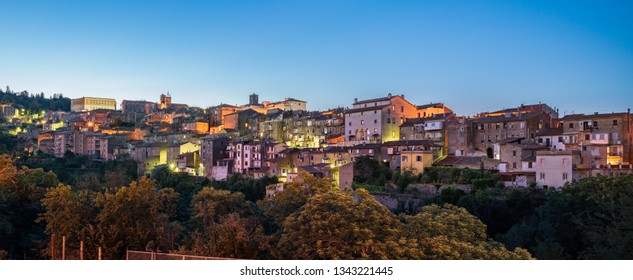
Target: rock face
[{"x": 414, "y": 196}]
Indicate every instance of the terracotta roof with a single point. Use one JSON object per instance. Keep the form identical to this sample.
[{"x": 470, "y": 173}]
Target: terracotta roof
[
  {"x": 387, "y": 98},
  {"x": 585, "y": 117},
  {"x": 420, "y": 107},
  {"x": 355, "y": 110},
  {"x": 503, "y": 118}
]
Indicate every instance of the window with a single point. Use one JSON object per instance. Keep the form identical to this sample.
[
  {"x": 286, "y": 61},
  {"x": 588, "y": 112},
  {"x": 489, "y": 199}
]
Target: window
[
  {"x": 375, "y": 121},
  {"x": 350, "y": 123},
  {"x": 595, "y": 124},
  {"x": 542, "y": 176},
  {"x": 405, "y": 158},
  {"x": 601, "y": 136},
  {"x": 587, "y": 137},
  {"x": 388, "y": 120},
  {"x": 514, "y": 153},
  {"x": 514, "y": 165},
  {"x": 418, "y": 158},
  {"x": 362, "y": 122},
  {"x": 522, "y": 125},
  {"x": 401, "y": 109},
  {"x": 529, "y": 164},
  {"x": 615, "y": 122},
  {"x": 564, "y": 175},
  {"x": 350, "y": 132},
  {"x": 560, "y": 139},
  {"x": 393, "y": 134}
]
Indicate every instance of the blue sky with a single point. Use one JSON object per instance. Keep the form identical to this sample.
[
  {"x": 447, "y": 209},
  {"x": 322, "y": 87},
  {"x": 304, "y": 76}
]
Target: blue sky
[{"x": 472, "y": 55}]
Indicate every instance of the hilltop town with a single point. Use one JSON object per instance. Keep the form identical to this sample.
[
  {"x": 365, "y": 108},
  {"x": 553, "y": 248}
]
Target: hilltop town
[{"x": 528, "y": 145}]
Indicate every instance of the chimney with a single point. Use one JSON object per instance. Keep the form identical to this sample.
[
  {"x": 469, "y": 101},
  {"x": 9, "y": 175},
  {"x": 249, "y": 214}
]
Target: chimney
[
  {"x": 355, "y": 100},
  {"x": 402, "y": 96},
  {"x": 389, "y": 95}
]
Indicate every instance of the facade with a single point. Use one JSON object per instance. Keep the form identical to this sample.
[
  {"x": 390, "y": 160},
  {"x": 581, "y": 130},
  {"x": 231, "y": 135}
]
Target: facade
[
  {"x": 213, "y": 150},
  {"x": 415, "y": 161},
  {"x": 92, "y": 103},
  {"x": 377, "y": 120},
  {"x": 605, "y": 138},
  {"x": 556, "y": 168},
  {"x": 494, "y": 129}
]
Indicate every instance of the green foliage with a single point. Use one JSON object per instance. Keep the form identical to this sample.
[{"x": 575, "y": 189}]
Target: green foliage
[
  {"x": 450, "y": 175},
  {"x": 129, "y": 218},
  {"x": 369, "y": 188},
  {"x": 588, "y": 219},
  {"x": 337, "y": 225},
  {"x": 226, "y": 225},
  {"x": 20, "y": 194},
  {"x": 450, "y": 232},
  {"x": 371, "y": 172},
  {"x": 35, "y": 103}
]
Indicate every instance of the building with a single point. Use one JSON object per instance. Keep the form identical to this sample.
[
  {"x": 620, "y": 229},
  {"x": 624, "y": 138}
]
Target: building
[
  {"x": 246, "y": 155},
  {"x": 197, "y": 127},
  {"x": 556, "y": 168},
  {"x": 492, "y": 129},
  {"x": 605, "y": 138},
  {"x": 165, "y": 101},
  {"x": 415, "y": 161},
  {"x": 92, "y": 103},
  {"x": 213, "y": 152},
  {"x": 377, "y": 120},
  {"x": 432, "y": 109}
]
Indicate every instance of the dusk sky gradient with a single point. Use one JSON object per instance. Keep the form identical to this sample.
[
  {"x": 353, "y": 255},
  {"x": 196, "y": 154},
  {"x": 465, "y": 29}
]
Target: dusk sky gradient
[{"x": 472, "y": 55}]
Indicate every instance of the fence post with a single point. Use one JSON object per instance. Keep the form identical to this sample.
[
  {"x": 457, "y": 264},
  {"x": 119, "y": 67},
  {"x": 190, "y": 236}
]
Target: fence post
[
  {"x": 64, "y": 247},
  {"x": 99, "y": 252},
  {"x": 81, "y": 250},
  {"x": 53, "y": 246}
]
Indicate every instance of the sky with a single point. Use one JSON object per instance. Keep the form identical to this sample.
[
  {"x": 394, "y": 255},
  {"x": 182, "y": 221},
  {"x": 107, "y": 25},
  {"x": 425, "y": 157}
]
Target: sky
[{"x": 474, "y": 56}]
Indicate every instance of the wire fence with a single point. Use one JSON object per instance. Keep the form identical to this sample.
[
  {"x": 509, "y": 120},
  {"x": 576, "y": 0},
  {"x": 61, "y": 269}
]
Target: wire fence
[{"x": 143, "y": 255}]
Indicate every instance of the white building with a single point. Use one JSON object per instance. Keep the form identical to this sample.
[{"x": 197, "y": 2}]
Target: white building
[{"x": 556, "y": 168}]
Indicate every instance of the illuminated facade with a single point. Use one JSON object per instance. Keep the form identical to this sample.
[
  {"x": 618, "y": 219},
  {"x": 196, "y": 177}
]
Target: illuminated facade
[
  {"x": 377, "y": 120},
  {"x": 92, "y": 103}
]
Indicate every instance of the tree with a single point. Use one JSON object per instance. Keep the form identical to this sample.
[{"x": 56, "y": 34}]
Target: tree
[
  {"x": 293, "y": 196},
  {"x": 129, "y": 219},
  {"x": 450, "y": 232},
  {"x": 226, "y": 225},
  {"x": 70, "y": 214},
  {"x": 338, "y": 225}
]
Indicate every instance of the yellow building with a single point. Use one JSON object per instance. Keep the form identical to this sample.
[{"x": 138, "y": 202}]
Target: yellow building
[
  {"x": 415, "y": 161},
  {"x": 92, "y": 103}
]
